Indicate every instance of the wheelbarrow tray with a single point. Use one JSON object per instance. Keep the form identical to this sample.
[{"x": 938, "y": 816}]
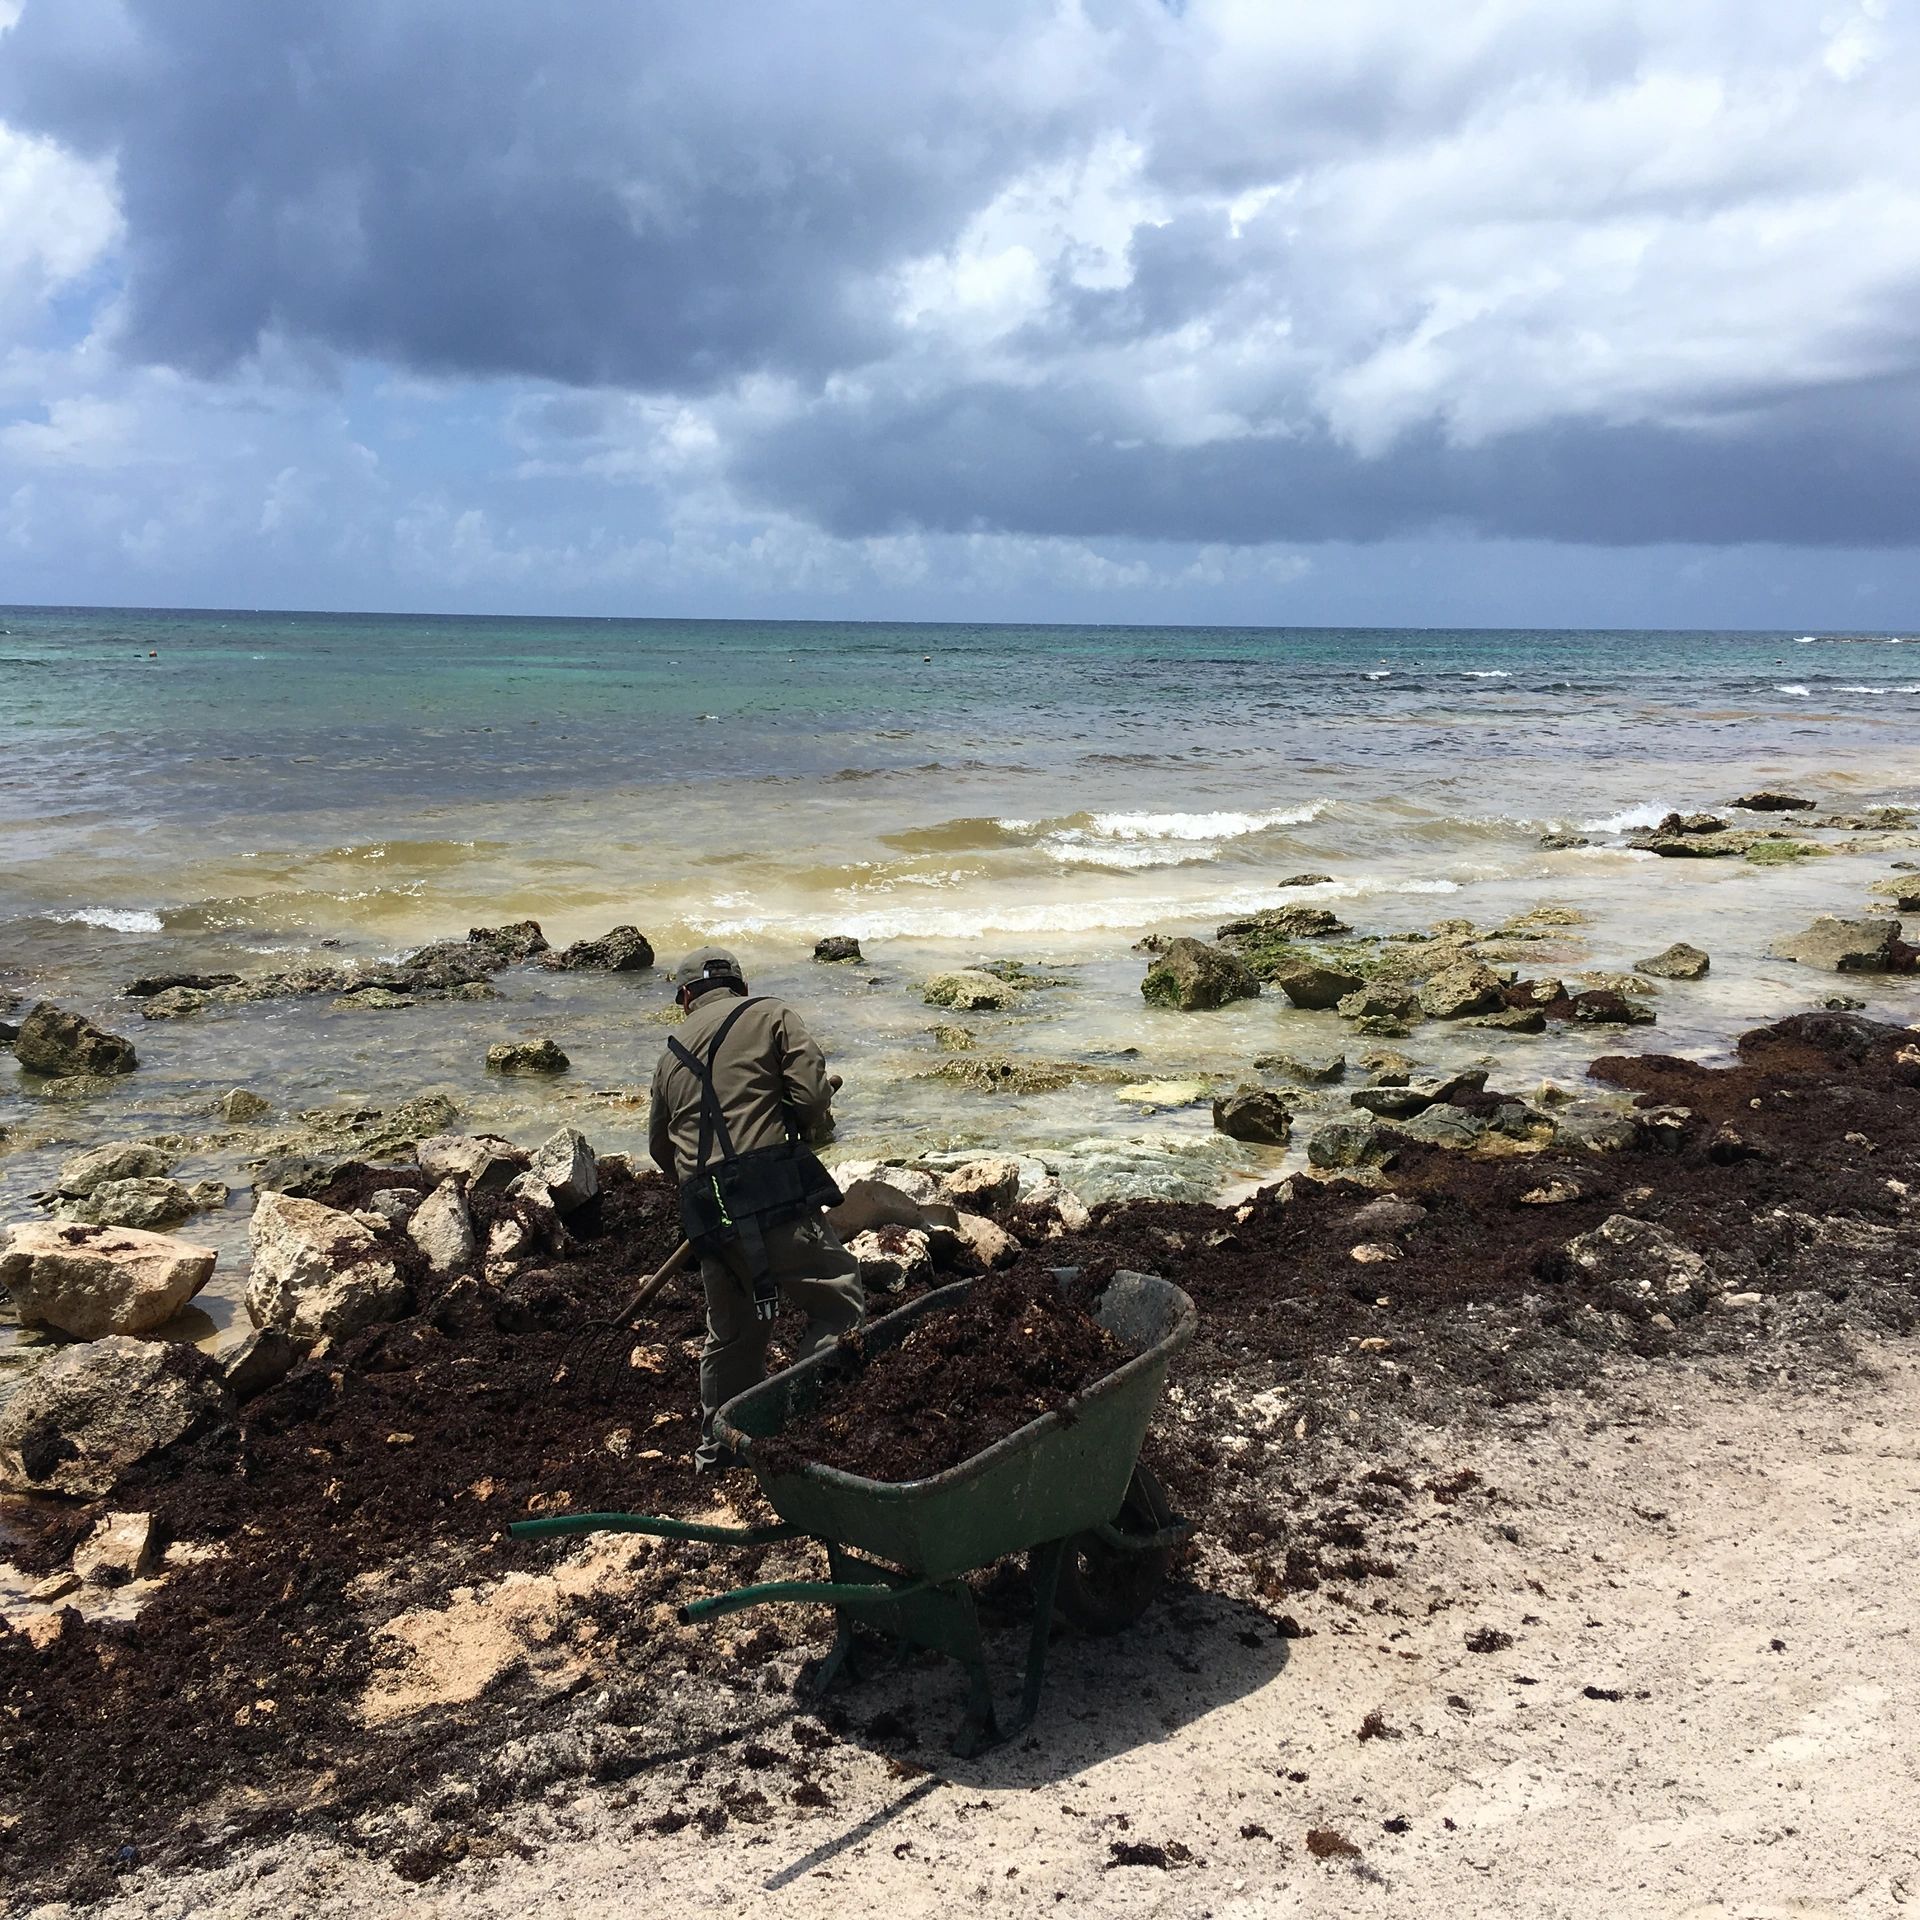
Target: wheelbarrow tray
[{"x": 1061, "y": 1474}]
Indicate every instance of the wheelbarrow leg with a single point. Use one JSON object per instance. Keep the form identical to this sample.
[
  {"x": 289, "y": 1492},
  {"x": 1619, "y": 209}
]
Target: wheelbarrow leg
[
  {"x": 1045, "y": 1578},
  {"x": 843, "y": 1657}
]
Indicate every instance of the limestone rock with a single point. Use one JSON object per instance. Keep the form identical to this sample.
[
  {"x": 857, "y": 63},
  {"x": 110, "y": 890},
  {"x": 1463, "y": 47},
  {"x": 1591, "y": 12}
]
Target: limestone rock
[
  {"x": 1563, "y": 842},
  {"x": 520, "y": 940},
  {"x": 59, "y": 1044},
  {"x": 151, "y": 1204},
  {"x": 442, "y": 1229},
  {"x": 1639, "y": 1263},
  {"x": 1311, "y": 1070},
  {"x": 1386, "y": 1218},
  {"x": 119, "y": 1549},
  {"x": 890, "y": 1257},
  {"x": 624, "y": 950},
  {"x": 565, "y": 1165},
  {"x": 534, "y": 1202},
  {"x": 1771, "y": 803},
  {"x": 88, "y": 1413},
  {"x": 1443, "y": 1126},
  {"x": 93, "y": 1281},
  {"x": 1843, "y": 946},
  {"x": 1677, "y": 962},
  {"x": 1306, "y": 880},
  {"x": 1191, "y": 975},
  {"x": 988, "y": 1186},
  {"x": 1459, "y": 990},
  {"x": 1348, "y": 1143},
  {"x": 151, "y": 986},
  {"x": 989, "y": 1242},
  {"x": 1901, "y": 891},
  {"x": 970, "y": 990},
  {"x": 1382, "y": 1001},
  {"x": 1691, "y": 823},
  {"x": 1598, "y": 1131},
  {"x": 837, "y": 949},
  {"x": 262, "y": 1360},
  {"x": 1391, "y": 1103},
  {"x": 81, "y": 1173},
  {"x": 1556, "y": 1191},
  {"x": 1512, "y": 1020},
  {"x": 175, "y": 1003},
  {"x": 240, "y": 1106},
  {"x": 209, "y": 1196},
  {"x": 479, "y": 1161},
  {"x": 1309, "y": 984},
  {"x": 1254, "y": 1113},
  {"x": 527, "y": 1056},
  {"x": 1283, "y": 923},
  {"x": 1601, "y": 1008},
  {"x": 317, "y": 1271}
]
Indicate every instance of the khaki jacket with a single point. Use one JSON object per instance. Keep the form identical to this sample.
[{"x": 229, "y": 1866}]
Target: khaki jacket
[{"x": 770, "y": 1067}]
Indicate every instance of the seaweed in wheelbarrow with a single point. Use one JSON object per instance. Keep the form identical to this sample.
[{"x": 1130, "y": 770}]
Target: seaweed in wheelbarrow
[{"x": 1012, "y": 1350}]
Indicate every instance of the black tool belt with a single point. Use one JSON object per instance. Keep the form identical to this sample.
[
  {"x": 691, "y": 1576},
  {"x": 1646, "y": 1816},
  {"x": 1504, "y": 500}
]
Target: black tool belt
[{"x": 732, "y": 1198}]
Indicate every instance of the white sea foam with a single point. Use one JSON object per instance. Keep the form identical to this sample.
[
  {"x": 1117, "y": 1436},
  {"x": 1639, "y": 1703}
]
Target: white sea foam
[
  {"x": 116, "y": 919},
  {"x": 1625, "y": 821},
  {"x": 1485, "y": 673},
  {"x": 1794, "y": 688},
  {"x": 1806, "y": 640},
  {"x": 1178, "y": 853},
  {"x": 1908, "y": 687},
  {"x": 1381, "y": 673},
  {"x": 1200, "y": 826}
]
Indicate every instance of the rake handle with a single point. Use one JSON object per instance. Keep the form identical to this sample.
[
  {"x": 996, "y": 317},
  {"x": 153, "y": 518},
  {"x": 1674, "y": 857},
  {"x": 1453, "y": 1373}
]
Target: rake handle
[{"x": 674, "y": 1261}]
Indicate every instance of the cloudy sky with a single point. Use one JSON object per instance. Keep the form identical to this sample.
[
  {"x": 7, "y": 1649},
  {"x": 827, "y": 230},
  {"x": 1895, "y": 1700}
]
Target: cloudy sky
[{"x": 1493, "y": 312}]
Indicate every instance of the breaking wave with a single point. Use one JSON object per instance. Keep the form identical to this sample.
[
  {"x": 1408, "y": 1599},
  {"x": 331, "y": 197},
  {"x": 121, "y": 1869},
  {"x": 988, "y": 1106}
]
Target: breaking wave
[{"x": 115, "y": 919}]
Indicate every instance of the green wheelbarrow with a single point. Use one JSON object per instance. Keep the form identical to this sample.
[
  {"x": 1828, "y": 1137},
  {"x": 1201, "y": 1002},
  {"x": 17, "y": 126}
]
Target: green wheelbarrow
[{"x": 1067, "y": 1490}]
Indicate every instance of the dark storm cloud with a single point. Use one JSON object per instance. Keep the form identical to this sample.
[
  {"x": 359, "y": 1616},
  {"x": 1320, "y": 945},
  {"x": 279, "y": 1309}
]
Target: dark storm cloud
[
  {"x": 1606, "y": 272},
  {"x": 650, "y": 196}
]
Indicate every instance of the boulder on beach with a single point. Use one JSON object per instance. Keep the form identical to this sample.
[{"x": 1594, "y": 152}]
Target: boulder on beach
[
  {"x": 989, "y": 1185},
  {"x": 889, "y": 1257},
  {"x": 441, "y": 1227},
  {"x": 1283, "y": 923},
  {"x": 1456, "y": 991},
  {"x": 564, "y": 1164},
  {"x": 262, "y": 1360},
  {"x": 88, "y": 1413},
  {"x": 317, "y": 1271},
  {"x": 239, "y": 1106},
  {"x": 119, "y": 1549},
  {"x": 92, "y": 1281},
  {"x": 1348, "y": 1143},
  {"x": 527, "y": 1056},
  {"x": 1511, "y": 1020},
  {"x": 150, "y": 986},
  {"x": 1191, "y": 975},
  {"x": 837, "y": 949},
  {"x": 151, "y": 1201},
  {"x": 59, "y": 1045},
  {"x": 80, "y": 1173},
  {"x": 623, "y": 950},
  {"x": 1677, "y": 962},
  {"x": 1383, "y": 1001},
  {"x": 1444, "y": 1126},
  {"x": 970, "y": 990},
  {"x": 1256, "y": 1114},
  {"x": 1765, "y": 802},
  {"x": 1641, "y": 1264},
  {"x": 479, "y": 1161},
  {"x": 1844, "y": 946},
  {"x": 989, "y": 1242},
  {"x": 1310, "y": 985}
]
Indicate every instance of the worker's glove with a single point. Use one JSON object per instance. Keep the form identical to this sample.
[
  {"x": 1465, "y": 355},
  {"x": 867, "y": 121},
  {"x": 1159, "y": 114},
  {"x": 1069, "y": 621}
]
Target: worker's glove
[{"x": 766, "y": 1298}]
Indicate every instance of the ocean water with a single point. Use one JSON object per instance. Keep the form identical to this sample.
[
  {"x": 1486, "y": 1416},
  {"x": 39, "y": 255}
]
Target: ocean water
[{"x": 200, "y": 790}]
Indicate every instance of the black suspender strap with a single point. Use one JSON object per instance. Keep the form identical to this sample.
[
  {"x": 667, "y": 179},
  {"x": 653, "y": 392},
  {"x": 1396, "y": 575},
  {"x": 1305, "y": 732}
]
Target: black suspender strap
[{"x": 713, "y": 1123}]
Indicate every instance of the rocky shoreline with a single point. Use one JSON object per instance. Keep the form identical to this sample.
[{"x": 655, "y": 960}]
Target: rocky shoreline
[{"x": 269, "y": 1564}]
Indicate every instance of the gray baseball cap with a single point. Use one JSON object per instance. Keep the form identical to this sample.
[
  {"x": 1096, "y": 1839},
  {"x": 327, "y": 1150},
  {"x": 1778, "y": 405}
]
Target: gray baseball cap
[{"x": 708, "y": 963}]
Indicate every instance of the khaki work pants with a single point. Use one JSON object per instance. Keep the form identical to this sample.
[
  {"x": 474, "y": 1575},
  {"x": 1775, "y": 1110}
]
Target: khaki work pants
[{"x": 814, "y": 1272}]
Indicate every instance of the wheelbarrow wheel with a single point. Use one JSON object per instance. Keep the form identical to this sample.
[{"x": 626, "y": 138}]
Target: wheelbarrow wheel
[{"x": 1104, "y": 1588}]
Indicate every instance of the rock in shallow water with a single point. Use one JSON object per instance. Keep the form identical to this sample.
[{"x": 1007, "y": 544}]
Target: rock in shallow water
[
  {"x": 59, "y": 1045},
  {"x": 837, "y": 949},
  {"x": 623, "y": 950},
  {"x": 527, "y": 1056},
  {"x": 80, "y": 1173},
  {"x": 1844, "y": 946},
  {"x": 92, "y": 1281},
  {"x": 1255, "y": 1114},
  {"x": 151, "y": 1202},
  {"x": 1191, "y": 976},
  {"x": 1677, "y": 962},
  {"x": 88, "y": 1413},
  {"x": 970, "y": 990}
]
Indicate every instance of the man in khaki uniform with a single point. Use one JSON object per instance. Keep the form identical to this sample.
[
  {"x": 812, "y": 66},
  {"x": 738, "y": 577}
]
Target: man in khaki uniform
[{"x": 739, "y": 1090}]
